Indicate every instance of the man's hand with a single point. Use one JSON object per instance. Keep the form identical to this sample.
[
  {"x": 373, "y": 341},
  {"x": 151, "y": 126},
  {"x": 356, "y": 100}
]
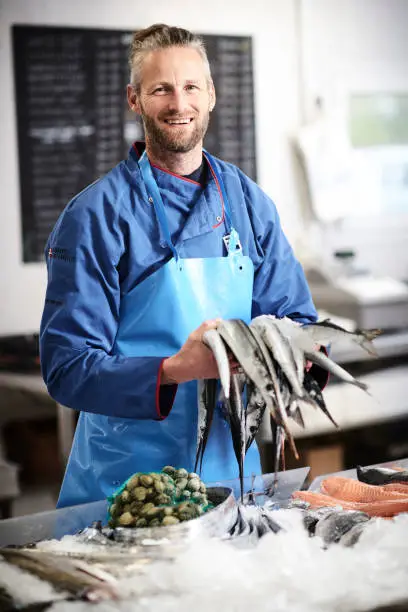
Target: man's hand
[{"x": 194, "y": 361}]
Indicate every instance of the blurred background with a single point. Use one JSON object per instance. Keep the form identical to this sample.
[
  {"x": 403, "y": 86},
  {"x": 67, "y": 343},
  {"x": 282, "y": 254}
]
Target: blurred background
[{"x": 312, "y": 102}]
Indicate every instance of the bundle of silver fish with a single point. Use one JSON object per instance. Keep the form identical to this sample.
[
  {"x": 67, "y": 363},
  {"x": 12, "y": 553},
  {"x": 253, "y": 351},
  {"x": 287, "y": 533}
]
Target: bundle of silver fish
[{"x": 272, "y": 375}]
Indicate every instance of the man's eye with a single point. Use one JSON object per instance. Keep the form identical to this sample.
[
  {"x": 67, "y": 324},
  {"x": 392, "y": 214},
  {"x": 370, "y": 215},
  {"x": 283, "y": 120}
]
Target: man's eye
[
  {"x": 159, "y": 90},
  {"x": 191, "y": 87}
]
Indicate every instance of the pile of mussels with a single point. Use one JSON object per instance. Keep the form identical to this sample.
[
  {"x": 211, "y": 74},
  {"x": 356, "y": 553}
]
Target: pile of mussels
[{"x": 158, "y": 498}]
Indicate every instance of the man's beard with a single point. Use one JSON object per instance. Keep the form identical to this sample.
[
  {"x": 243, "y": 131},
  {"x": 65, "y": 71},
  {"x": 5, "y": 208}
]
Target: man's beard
[{"x": 176, "y": 141}]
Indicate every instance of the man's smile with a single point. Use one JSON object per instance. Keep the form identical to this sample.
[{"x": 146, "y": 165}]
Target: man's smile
[{"x": 184, "y": 121}]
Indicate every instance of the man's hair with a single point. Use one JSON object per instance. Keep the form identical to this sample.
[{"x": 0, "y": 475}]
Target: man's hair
[{"x": 161, "y": 36}]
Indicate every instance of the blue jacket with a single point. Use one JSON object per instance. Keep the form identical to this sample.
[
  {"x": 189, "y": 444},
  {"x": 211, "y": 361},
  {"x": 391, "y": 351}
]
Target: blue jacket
[{"x": 107, "y": 240}]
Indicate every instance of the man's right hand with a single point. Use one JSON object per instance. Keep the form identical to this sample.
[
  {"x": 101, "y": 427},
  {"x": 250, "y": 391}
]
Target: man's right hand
[{"x": 194, "y": 361}]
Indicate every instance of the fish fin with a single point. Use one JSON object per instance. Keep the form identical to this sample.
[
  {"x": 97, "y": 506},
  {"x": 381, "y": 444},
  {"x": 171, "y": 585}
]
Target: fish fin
[
  {"x": 329, "y": 323},
  {"x": 367, "y": 345},
  {"x": 325, "y": 411},
  {"x": 312, "y": 387},
  {"x": 369, "y": 334},
  {"x": 360, "y": 473},
  {"x": 295, "y": 399},
  {"x": 362, "y": 386},
  {"x": 298, "y": 417}
]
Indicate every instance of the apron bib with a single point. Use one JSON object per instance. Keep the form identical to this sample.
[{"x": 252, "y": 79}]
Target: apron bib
[{"x": 156, "y": 318}]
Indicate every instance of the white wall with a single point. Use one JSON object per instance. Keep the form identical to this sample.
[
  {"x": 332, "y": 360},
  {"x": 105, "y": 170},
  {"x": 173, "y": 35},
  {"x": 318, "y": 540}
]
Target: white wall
[
  {"x": 357, "y": 46},
  {"x": 270, "y": 22}
]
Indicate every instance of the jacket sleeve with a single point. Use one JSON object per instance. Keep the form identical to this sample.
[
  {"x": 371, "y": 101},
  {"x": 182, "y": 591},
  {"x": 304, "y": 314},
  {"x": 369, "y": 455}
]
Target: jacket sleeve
[
  {"x": 80, "y": 320},
  {"x": 280, "y": 286}
]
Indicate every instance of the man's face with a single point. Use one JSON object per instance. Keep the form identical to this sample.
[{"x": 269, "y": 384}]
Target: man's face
[{"x": 175, "y": 99}]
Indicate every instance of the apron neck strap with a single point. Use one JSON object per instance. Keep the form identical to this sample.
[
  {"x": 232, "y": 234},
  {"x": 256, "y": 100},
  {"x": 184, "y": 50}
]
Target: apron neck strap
[
  {"x": 221, "y": 188},
  {"x": 156, "y": 199}
]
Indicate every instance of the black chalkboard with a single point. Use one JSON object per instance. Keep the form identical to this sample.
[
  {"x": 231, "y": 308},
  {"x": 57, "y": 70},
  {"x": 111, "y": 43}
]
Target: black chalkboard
[{"x": 74, "y": 125}]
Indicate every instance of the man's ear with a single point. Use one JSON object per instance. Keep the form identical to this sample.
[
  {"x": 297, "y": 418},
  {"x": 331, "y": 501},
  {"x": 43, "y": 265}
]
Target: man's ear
[
  {"x": 133, "y": 99},
  {"x": 212, "y": 96}
]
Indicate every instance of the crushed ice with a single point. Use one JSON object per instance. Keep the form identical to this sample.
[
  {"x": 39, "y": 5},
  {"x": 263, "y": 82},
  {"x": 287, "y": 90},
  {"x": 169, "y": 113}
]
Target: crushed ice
[{"x": 285, "y": 571}]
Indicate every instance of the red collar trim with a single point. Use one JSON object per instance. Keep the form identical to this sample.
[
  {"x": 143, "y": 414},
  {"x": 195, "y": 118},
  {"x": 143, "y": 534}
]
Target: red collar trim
[{"x": 179, "y": 176}]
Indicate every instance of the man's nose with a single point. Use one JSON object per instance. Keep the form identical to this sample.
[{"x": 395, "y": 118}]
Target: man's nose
[{"x": 177, "y": 101}]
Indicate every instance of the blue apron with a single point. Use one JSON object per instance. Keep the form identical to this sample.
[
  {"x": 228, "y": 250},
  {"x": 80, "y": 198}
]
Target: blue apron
[{"x": 156, "y": 317}]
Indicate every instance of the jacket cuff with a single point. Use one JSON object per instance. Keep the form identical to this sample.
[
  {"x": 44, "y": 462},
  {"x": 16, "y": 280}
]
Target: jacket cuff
[
  {"x": 320, "y": 375},
  {"x": 165, "y": 396}
]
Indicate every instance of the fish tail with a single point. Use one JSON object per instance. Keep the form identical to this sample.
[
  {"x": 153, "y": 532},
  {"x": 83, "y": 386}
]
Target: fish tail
[
  {"x": 370, "y": 334},
  {"x": 368, "y": 346},
  {"x": 361, "y": 385},
  {"x": 306, "y": 398},
  {"x": 241, "y": 480},
  {"x": 364, "y": 339},
  {"x": 297, "y": 416},
  {"x": 329, "y": 416}
]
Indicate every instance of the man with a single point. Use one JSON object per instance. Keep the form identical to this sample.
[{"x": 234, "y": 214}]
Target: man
[{"x": 146, "y": 269}]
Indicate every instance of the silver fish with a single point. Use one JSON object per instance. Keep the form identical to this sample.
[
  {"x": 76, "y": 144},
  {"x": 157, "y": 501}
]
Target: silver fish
[
  {"x": 213, "y": 340},
  {"x": 311, "y": 517},
  {"x": 276, "y": 392},
  {"x": 278, "y": 413},
  {"x": 207, "y": 400},
  {"x": 352, "y": 536},
  {"x": 381, "y": 475},
  {"x": 236, "y": 418},
  {"x": 255, "y": 410},
  {"x": 64, "y": 574},
  {"x": 314, "y": 391},
  {"x": 334, "y": 525},
  {"x": 292, "y": 331},
  {"x": 325, "y": 362},
  {"x": 325, "y": 332},
  {"x": 294, "y": 412},
  {"x": 247, "y": 353},
  {"x": 280, "y": 348},
  {"x": 278, "y": 436},
  {"x": 254, "y": 520}
]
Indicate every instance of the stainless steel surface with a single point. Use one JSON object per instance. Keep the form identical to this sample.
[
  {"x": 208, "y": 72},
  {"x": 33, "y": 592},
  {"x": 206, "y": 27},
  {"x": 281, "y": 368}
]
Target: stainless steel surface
[
  {"x": 53, "y": 524},
  {"x": 315, "y": 484},
  {"x": 385, "y": 314},
  {"x": 287, "y": 482}
]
